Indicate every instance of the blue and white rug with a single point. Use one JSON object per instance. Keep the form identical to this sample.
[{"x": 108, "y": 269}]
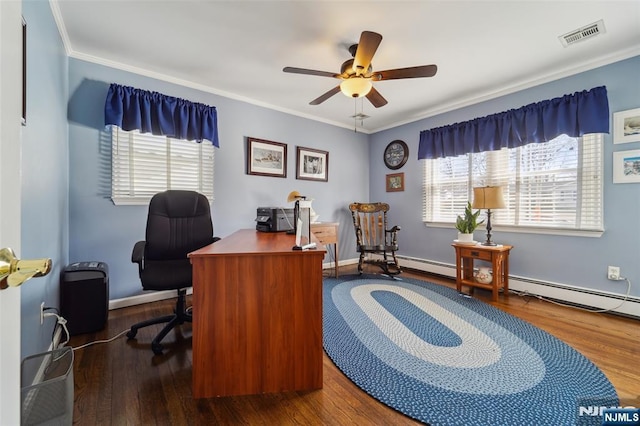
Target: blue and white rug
[{"x": 447, "y": 359}]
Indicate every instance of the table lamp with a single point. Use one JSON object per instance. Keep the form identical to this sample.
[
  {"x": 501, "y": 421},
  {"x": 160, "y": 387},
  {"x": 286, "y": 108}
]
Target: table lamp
[{"x": 488, "y": 197}]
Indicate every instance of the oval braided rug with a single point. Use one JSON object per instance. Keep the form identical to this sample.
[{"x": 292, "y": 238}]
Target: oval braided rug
[{"x": 447, "y": 359}]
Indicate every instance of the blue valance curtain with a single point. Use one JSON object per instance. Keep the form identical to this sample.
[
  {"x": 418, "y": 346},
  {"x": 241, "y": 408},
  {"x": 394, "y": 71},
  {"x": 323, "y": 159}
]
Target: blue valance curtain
[
  {"x": 151, "y": 112},
  {"x": 573, "y": 115}
]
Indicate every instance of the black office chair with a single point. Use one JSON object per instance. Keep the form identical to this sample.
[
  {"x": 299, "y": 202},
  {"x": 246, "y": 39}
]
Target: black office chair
[{"x": 179, "y": 222}]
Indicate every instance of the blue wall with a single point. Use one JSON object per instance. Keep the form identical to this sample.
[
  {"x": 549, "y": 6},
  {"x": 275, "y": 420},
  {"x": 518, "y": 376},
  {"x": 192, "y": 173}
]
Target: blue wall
[
  {"x": 576, "y": 261},
  {"x": 102, "y": 231},
  {"x": 68, "y": 215},
  {"x": 45, "y": 168}
]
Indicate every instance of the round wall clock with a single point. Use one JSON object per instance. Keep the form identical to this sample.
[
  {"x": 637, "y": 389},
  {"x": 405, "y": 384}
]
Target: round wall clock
[{"x": 396, "y": 154}]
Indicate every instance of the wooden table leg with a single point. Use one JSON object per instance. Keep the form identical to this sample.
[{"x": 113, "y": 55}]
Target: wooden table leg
[
  {"x": 505, "y": 279},
  {"x": 497, "y": 276},
  {"x": 335, "y": 249},
  {"x": 458, "y": 271}
]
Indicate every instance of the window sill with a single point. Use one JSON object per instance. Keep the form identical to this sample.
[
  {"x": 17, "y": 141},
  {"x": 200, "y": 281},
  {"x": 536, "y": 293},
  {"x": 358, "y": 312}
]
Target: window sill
[
  {"x": 131, "y": 201},
  {"x": 528, "y": 230}
]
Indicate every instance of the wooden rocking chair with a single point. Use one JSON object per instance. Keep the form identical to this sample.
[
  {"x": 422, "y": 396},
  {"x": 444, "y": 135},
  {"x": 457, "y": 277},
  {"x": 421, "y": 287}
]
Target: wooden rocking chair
[{"x": 374, "y": 237}]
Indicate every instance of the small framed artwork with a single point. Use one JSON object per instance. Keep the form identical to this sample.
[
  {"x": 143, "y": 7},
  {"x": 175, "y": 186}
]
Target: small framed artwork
[
  {"x": 395, "y": 182},
  {"x": 626, "y": 126},
  {"x": 312, "y": 164},
  {"x": 266, "y": 158},
  {"x": 626, "y": 166}
]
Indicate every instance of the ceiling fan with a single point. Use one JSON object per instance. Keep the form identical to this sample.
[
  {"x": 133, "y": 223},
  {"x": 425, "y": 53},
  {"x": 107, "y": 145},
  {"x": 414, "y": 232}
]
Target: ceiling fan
[{"x": 357, "y": 74}]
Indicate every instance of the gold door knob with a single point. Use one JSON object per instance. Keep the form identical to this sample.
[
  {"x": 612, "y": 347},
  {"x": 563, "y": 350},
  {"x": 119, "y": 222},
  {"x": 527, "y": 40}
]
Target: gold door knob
[{"x": 14, "y": 271}]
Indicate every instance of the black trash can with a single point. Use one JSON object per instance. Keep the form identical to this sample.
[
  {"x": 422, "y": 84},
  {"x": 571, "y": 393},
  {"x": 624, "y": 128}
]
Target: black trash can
[{"x": 84, "y": 296}]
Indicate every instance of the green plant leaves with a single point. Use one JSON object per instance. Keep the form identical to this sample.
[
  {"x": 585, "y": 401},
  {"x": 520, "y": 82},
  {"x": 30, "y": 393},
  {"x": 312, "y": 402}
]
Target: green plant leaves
[{"x": 469, "y": 222}]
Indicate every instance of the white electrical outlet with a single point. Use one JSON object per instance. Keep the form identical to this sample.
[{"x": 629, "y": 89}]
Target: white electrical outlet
[
  {"x": 613, "y": 273},
  {"x": 41, "y": 313}
]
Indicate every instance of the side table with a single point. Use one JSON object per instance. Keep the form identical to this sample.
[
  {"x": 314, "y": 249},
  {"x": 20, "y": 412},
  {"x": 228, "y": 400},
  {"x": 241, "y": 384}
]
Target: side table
[
  {"x": 327, "y": 233},
  {"x": 498, "y": 256}
]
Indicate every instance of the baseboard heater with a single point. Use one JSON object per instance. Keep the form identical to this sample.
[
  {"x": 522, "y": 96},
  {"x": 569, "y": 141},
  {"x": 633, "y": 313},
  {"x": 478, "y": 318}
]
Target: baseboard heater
[{"x": 570, "y": 295}]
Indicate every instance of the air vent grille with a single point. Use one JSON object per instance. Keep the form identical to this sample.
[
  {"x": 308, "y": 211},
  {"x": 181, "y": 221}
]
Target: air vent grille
[{"x": 588, "y": 31}]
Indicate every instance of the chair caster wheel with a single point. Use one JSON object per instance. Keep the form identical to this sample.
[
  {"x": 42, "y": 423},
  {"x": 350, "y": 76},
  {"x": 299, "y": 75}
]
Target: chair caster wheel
[
  {"x": 131, "y": 334},
  {"x": 157, "y": 348}
]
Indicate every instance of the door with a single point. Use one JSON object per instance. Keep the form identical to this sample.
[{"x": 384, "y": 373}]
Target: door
[{"x": 10, "y": 189}]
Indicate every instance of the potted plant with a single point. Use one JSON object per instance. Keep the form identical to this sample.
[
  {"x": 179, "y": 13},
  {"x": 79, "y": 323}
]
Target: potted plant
[{"x": 467, "y": 224}]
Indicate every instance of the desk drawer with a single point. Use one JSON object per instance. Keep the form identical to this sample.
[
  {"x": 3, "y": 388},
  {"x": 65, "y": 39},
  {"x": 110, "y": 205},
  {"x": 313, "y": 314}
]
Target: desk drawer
[
  {"x": 475, "y": 253},
  {"x": 324, "y": 234}
]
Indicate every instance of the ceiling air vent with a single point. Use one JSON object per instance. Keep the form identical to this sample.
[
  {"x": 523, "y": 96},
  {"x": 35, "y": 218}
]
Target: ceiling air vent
[{"x": 588, "y": 31}]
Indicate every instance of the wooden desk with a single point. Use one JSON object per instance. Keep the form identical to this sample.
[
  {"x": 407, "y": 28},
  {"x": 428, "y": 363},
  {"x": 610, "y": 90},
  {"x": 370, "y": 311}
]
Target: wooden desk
[
  {"x": 327, "y": 233},
  {"x": 257, "y": 316},
  {"x": 498, "y": 256}
]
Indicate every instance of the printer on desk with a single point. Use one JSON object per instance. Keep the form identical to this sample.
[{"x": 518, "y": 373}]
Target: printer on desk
[{"x": 274, "y": 219}]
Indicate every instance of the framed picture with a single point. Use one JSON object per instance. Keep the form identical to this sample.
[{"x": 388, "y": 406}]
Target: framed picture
[
  {"x": 266, "y": 158},
  {"x": 312, "y": 164},
  {"x": 395, "y": 182},
  {"x": 626, "y": 126},
  {"x": 626, "y": 166}
]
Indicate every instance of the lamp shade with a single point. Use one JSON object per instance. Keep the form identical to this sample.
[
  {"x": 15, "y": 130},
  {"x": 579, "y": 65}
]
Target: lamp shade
[
  {"x": 294, "y": 195},
  {"x": 356, "y": 87},
  {"x": 488, "y": 197}
]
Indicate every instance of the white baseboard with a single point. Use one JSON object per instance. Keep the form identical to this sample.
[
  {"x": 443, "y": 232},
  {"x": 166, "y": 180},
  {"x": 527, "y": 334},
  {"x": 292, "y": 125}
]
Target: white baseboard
[
  {"x": 140, "y": 299},
  {"x": 563, "y": 292},
  {"x": 329, "y": 265},
  {"x": 594, "y": 299},
  {"x": 57, "y": 338}
]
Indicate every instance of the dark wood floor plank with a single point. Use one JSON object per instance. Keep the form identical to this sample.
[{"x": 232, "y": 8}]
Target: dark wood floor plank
[{"x": 122, "y": 383}]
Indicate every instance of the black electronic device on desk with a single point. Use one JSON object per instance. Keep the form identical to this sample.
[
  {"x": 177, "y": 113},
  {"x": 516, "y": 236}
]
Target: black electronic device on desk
[{"x": 274, "y": 219}]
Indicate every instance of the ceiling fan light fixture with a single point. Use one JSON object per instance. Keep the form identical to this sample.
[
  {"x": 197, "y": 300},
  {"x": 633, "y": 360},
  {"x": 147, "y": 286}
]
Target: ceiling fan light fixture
[
  {"x": 356, "y": 87},
  {"x": 357, "y": 75}
]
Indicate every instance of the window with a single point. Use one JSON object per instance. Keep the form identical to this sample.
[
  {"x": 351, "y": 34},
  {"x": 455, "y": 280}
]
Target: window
[
  {"x": 144, "y": 164},
  {"x": 554, "y": 185}
]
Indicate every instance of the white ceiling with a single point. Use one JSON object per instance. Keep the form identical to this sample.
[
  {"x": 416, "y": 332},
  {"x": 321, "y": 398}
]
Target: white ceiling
[{"x": 237, "y": 49}]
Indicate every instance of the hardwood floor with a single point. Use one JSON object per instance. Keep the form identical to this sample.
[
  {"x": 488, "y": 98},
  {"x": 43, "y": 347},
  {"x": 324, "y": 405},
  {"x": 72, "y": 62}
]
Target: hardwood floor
[{"x": 122, "y": 383}]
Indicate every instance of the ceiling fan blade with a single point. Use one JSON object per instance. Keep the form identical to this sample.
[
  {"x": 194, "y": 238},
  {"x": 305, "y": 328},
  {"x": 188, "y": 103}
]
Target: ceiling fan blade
[
  {"x": 310, "y": 72},
  {"x": 376, "y": 98},
  {"x": 322, "y": 98},
  {"x": 367, "y": 46},
  {"x": 410, "y": 72}
]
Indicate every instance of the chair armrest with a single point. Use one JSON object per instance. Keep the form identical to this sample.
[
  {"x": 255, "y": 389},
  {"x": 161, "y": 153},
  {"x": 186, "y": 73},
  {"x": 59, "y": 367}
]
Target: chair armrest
[
  {"x": 393, "y": 233},
  {"x": 137, "y": 255}
]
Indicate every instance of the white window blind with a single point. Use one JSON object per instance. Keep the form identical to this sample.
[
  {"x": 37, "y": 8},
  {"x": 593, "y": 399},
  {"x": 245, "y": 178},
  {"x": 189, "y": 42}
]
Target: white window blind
[
  {"x": 554, "y": 185},
  {"x": 145, "y": 164}
]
